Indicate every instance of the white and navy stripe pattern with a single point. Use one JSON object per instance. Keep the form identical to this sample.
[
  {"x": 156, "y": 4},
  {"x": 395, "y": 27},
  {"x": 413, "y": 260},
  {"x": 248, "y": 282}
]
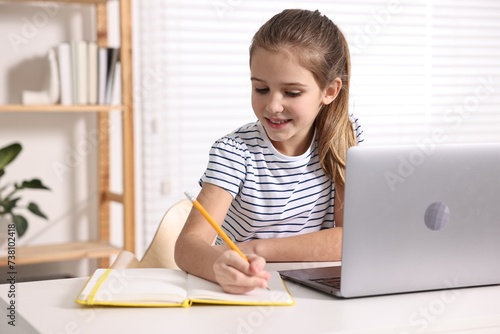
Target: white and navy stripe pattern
[{"x": 274, "y": 195}]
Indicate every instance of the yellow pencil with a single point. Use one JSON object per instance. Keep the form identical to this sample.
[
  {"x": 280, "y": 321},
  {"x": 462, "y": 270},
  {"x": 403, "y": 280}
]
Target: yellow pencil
[{"x": 216, "y": 226}]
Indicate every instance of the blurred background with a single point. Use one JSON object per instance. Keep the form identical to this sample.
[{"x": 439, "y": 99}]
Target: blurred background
[{"x": 423, "y": 72}]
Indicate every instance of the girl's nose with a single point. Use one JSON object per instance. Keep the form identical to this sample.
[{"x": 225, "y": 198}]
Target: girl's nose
[{"x": 274, "y": 104}]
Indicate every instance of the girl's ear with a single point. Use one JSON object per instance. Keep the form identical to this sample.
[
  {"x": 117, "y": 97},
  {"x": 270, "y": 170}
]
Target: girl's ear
[{"x": 332, "y": 91}]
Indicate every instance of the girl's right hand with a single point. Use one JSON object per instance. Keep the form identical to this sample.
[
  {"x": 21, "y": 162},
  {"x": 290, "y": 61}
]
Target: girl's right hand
[{"x": 236, "y": 275}]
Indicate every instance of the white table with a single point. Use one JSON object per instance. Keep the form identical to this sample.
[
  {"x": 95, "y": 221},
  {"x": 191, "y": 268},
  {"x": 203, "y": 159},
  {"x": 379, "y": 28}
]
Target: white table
[{"x": 49, "y": 307}]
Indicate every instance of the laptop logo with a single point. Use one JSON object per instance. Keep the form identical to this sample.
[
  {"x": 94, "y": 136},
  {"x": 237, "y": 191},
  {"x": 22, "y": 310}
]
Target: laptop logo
[{"x": 437, "y": 216}]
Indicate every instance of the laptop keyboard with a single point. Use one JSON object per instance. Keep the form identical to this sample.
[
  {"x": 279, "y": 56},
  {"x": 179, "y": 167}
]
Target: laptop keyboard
[{"x": 333, "y": 282}]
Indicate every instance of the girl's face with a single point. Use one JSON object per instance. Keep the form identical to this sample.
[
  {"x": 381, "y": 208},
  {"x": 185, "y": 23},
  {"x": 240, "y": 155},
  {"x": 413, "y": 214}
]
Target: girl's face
[{"x": 286, "y": 99}]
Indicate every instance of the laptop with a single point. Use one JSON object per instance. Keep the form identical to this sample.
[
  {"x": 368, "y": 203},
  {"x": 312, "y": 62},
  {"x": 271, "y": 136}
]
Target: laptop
[{"x": 416, "y": 218}]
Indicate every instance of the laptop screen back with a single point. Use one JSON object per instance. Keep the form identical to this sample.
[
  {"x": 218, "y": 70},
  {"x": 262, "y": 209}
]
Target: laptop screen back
[{"x": 420, "y": 218}]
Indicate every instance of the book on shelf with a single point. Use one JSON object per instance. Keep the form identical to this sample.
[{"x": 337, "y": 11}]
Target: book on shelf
[
  {"x": 92, "y": 72},
  {"x": 65, "y": 70},
  {"x": 113, "y": 57},
  {"x": 116, "y": 89},
  {"x": 161, "y": 287},
  {"x": 79, "y": 57},
  {"x": 88, "y": 74},
  {"x": 102, "y": 75}
]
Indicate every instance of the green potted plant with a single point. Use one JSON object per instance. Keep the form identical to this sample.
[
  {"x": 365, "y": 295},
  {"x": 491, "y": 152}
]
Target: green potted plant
[{"x": 10, "y": 199}]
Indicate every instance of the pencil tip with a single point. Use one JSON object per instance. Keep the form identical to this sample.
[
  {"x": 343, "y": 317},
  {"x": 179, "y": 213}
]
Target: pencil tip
[{"x": 189, "y": 196}]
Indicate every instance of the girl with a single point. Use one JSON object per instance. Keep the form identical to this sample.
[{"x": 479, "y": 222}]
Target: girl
[{"x": 276, "y": 185}]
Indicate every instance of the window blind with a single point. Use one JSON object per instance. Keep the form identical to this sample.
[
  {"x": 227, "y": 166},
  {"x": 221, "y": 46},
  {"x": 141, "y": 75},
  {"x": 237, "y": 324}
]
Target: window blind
[{"x": 422, "y": 72}]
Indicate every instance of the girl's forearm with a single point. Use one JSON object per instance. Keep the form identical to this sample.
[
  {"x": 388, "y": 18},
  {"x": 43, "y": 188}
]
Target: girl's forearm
[
  {"x": 196, "y": 256},
  {"x": 325, "y": 245}
]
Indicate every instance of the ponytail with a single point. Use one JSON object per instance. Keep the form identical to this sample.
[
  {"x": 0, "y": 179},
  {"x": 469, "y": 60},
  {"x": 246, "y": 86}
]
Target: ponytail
[{"x": 334, "y": 128}]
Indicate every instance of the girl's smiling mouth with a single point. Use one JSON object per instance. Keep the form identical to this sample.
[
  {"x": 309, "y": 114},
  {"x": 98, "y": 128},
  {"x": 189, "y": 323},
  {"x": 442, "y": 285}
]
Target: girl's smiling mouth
[{"x": 277, "y": 123}]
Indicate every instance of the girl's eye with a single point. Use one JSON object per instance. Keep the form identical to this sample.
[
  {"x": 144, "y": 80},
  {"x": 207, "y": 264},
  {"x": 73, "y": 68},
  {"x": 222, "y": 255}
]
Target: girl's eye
[
  {"x": 294, "y": 93},
  {"x": 261, "y": 90}
]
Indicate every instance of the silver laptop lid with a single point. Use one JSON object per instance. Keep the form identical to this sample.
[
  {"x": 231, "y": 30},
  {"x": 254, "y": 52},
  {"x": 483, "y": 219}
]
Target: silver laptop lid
[{"x": 421, "y": 218}]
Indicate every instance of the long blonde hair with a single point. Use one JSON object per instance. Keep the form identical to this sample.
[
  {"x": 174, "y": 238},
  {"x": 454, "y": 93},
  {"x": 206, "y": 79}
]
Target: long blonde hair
[{"x": 319, "y": 46}]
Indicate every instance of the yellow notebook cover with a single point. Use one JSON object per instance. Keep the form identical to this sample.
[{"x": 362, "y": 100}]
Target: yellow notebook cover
[{"x": 161, "y": 287}]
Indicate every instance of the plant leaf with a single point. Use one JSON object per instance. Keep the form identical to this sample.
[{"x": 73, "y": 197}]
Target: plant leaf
[
  {"x": 32, "y": 184},
  {"x": 9, "y": 153},
  {"x": 35, "y": 210},
  {"x": 21, "y": 224},
  {"x": 8, "y": 205}
]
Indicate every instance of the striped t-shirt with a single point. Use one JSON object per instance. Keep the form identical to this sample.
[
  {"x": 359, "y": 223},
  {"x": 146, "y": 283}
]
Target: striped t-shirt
[{"x": 274, "y": 195}]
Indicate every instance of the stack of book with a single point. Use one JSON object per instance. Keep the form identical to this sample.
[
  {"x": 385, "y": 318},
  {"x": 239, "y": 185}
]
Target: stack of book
[{"x": 88, "y": 74}]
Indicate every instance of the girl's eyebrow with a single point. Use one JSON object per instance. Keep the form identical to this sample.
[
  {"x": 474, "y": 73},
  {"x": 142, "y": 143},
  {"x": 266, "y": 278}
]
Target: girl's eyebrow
[
  {"x": 256, "y": 79},
  {"x": 296, "y": 84}
]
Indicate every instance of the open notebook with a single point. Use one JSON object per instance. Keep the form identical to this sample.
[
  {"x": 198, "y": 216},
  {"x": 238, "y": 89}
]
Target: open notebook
[{"x": 160, "y": 287}]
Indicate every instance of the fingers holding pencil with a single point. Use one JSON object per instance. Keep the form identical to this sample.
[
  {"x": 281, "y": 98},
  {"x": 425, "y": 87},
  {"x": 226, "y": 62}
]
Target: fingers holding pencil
[
  {"x": 236, "y": 275},
  {"x": 234, "y": 271}
]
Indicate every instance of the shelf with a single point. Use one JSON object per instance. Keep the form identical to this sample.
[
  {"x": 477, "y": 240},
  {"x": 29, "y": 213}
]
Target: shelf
[
  {"x": 62, "y": 252},
  {"x": 100, "y": 248},
  {"x": 58, "y": 108}
]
